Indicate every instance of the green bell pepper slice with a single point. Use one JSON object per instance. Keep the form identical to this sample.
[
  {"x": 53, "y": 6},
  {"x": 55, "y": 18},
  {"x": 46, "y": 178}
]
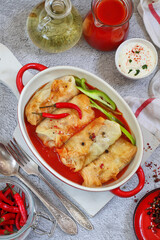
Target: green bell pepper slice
[
  {"x": 77, "y": 80},
  {"x": 100, "y": 96},
  {"x": 81, "y": 82},
  {"x": 94, "y": 94},
  {"x": 83, "y": 85},
  {"x": 128, "y": 135},
  {"x": 109, "y": 115}
]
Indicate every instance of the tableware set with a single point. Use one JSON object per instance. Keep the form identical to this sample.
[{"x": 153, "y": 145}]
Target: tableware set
[
  {"x": 9, "y": 167},
  {"x": 32, "y": 168}
]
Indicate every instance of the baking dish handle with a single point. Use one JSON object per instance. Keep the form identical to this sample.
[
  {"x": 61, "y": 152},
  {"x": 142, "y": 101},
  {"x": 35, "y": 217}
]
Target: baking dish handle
[
  {"x": 133, "y": 192},
  {"x": 19, "y": 81}
]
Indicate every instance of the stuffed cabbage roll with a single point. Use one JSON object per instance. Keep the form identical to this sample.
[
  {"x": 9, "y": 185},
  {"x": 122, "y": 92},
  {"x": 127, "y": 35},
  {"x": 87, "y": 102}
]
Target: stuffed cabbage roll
[
  {"x": 55, "y": 132},
  {"x": 58, "y": 90},
  {"x": 109, "y": 164},
  {"x": 88, "y": 144}
]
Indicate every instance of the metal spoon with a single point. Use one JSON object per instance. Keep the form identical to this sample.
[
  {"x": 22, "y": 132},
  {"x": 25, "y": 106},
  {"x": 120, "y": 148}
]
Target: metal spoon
[
  {"x": 31, "y": 167},
  {"x": 9, "y": 167}
]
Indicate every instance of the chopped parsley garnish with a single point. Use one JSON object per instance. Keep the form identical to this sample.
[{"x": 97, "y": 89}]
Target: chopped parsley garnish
[
  {"x": 130, "y": 70},
  {"x": 130, "y": 60},
  {"x": 145, "y": 66},
  {"x": 137, "y": 72},
  {"x": 137, "y": 51}
]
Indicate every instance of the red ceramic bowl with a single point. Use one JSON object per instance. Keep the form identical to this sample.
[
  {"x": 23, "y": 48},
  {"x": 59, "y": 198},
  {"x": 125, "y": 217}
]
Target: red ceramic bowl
[
  {"x": 141, "y": 220},
  {"x": 48, "y": 74}
]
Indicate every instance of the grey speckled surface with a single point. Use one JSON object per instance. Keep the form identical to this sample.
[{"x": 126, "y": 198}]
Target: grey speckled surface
[{"x": 115, "y": 220}]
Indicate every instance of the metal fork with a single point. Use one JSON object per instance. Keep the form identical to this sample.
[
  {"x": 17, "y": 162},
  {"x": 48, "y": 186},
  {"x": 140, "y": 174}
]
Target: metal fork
[{"x": 31, "y": 167}]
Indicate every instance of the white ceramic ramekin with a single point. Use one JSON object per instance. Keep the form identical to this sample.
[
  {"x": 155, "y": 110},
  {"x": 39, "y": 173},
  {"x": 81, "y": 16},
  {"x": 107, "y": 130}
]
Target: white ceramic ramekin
[{"x": 139, "y": 41}]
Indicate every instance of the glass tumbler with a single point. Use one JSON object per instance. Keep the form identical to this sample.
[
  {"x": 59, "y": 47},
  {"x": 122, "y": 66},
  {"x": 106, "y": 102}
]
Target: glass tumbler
[{"x": 154, "y": 86}]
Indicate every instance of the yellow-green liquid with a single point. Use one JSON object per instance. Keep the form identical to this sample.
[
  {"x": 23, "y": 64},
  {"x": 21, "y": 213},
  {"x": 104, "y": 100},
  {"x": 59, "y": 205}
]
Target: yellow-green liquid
[{"x": 53, "y": 35}]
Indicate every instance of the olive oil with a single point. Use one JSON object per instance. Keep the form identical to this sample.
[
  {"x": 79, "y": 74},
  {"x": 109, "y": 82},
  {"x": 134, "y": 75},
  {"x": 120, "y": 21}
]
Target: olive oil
[{"x": 55, "y": 26}]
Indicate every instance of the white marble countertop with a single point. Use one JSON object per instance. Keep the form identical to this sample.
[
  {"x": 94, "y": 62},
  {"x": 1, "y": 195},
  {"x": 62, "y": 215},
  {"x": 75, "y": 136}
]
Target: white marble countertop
[{"x": 115, "y": 220}]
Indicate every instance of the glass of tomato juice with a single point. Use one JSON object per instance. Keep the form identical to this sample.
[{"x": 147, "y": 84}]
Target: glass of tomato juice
[{"x": 106, "y": 25}]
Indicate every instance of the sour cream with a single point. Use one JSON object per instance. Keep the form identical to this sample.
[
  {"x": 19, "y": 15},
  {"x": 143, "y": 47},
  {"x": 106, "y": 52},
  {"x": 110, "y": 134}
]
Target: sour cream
[{"x": 136, "y": 59}]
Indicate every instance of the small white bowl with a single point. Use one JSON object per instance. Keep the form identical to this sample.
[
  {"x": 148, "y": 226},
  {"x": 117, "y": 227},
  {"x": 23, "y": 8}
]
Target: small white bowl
[{"x": 124, "y": 47}]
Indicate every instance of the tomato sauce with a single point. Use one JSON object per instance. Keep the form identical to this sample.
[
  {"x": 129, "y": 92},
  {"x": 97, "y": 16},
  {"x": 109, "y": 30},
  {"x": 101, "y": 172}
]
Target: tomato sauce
[
  {"x": 111, "y": 26},
  {"x": 52, "y": 158},
  {"x": 111, "y": 12}
]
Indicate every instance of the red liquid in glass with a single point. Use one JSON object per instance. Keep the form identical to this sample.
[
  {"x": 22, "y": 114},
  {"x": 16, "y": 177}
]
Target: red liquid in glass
[
  {"x": 111, "y": 12},
  {"x": 108, "y": 36}
]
